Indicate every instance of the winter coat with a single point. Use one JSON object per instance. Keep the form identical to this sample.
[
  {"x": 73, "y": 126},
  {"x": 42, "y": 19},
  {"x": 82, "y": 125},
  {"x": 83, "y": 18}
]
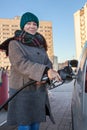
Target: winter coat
[{"x": 31, "y": 104}]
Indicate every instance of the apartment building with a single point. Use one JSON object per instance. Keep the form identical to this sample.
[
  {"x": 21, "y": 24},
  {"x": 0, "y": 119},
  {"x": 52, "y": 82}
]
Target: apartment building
[
  {"x": 8, "y": 27},
  {"x": 80, "y": 27}
]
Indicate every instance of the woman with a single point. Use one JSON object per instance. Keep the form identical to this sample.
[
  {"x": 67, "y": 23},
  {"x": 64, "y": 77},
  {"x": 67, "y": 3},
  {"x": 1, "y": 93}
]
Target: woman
[{"x": 29, "y": 61}]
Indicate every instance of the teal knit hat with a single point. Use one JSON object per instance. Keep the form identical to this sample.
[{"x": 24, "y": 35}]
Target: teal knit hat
[{"x": 28, "y": 17}]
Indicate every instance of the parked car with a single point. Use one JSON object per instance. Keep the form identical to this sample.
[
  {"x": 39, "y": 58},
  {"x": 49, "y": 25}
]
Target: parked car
[{"x": 79, "y": 95}]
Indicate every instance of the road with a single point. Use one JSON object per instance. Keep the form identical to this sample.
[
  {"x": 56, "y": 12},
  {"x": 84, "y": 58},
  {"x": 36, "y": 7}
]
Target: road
[{"x": 60, "y": 100}]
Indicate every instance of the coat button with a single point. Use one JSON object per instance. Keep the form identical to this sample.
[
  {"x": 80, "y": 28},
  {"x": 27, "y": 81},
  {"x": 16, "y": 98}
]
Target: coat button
[{"x": 38, "y": 53}]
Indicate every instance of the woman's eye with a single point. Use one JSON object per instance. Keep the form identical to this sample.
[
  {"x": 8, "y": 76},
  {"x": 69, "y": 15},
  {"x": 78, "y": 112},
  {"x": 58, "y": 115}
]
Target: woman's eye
[
  {"x": 28, "y": 23},
  {"x": 34, "y": 24}
]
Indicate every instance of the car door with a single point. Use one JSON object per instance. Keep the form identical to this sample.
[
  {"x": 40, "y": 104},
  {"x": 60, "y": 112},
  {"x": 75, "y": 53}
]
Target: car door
[{"x": 79, "y": 94}]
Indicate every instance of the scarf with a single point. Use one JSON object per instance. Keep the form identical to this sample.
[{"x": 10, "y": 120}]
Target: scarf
[{"x": 25, "y": 38}]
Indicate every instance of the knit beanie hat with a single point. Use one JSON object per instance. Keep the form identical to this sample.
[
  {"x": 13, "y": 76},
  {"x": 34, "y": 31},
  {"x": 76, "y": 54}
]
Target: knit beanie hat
[{"x": 28, "y": 17}]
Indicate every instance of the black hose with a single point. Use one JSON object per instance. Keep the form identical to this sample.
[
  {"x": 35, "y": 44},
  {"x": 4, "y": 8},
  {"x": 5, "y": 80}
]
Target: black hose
[{"x": 27, "y": 84}]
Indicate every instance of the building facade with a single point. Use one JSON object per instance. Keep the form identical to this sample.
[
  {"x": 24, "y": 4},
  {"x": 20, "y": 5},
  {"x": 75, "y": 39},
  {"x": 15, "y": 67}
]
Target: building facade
[
  {"x": 80, "y": 27},
  {"x": 7, "y": 29}
]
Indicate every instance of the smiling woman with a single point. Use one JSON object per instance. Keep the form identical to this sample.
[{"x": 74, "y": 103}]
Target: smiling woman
[{"x": 27, "y": 52}]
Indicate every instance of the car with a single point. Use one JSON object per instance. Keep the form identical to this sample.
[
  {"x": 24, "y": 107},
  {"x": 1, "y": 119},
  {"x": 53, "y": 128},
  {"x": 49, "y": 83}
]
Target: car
[{"x": 79, "y": 94}]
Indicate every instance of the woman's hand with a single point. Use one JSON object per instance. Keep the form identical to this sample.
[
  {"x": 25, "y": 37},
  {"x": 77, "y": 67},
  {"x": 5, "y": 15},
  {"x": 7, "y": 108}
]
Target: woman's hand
[{"x": 53, "y": 75}]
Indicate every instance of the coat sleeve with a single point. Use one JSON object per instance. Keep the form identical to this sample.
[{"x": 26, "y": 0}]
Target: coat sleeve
[
  {"x": 22, "y": 64},
  {"x": 48, "y": 62}
]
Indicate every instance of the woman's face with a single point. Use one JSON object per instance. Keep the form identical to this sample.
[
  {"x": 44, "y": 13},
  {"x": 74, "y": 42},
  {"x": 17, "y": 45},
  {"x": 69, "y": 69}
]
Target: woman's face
[{"x": 31, "y": 27}]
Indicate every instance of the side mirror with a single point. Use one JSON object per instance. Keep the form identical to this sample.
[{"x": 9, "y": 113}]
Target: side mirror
[{"x": 73, "y": 63}]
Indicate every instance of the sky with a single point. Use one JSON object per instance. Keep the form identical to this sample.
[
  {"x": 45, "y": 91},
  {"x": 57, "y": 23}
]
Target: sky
[{"x": 59, "y": 12}]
